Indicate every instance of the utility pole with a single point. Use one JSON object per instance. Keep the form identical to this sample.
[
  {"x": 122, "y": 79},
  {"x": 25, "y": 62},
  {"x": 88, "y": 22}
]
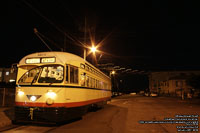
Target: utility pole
[
  {"x": 85, "y": 54},
  {"x": 85, "y": 50}
]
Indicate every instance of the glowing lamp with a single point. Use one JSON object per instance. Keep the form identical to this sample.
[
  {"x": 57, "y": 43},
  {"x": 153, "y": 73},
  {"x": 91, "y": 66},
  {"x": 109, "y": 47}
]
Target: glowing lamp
[
  {"x": 51, "y": 94},
  {"x": 33, "y": 98},
  {"x": 113, "y": 72},
  {"x": 93, "y": 49},
  {"x": 20, "y": 92}
]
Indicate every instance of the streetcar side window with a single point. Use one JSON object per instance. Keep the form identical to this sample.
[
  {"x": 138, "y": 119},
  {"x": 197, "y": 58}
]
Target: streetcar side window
[
  {"x": 93, "y": 83},
  {"x": 90, "y": 82},
  {"x": 73, "y": 74},
  {"x": 87, "y": 81},
  {"x": 96, "y": 82},
  {"x": 83, "y": 75}
]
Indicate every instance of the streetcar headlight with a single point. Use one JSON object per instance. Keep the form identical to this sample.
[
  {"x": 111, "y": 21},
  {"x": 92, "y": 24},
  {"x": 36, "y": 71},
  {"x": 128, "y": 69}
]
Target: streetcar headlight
[
  {"x": 51, "y": 94},
  {"x": 33, "y": 98},
  {"x": 20, "y": 92}
]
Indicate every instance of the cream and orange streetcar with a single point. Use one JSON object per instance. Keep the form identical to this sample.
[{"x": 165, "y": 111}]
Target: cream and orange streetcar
[{"x": 58, "y": 86}]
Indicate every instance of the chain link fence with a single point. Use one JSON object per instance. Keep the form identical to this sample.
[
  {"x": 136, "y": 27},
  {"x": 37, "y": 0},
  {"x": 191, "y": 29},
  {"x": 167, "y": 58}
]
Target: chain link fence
[{"x": 7, "y": 97}]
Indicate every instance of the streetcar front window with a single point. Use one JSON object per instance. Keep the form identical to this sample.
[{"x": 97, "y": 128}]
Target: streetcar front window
[
  {"x": 44, "y": 74},
  {"x": 30, "y": 76},
  {"x": 51, "y": 74}
]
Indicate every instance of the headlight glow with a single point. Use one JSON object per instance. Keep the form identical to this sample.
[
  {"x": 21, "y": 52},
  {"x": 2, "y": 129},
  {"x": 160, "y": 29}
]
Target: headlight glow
[
  {"x": 33, "y": 98},
  {"x": 20, "y": 92},
  {"x": 51, "y": 94}
]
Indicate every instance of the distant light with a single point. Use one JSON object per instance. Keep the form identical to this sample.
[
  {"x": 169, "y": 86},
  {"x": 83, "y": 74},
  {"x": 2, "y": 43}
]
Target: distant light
[
  {"x": 11, "y": 80},
  {"x": 113, "y": 72},
  {"x": 7, "y": 73}
]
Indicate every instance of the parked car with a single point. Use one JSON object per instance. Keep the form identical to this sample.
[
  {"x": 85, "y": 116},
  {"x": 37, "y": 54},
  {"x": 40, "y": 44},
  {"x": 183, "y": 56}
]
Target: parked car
[
  {"x": 147, "y": 94},
  {"x": 142, "y": 92},
  {"x": 153, "y": 94},
  {"x": 133, "y": 93}
]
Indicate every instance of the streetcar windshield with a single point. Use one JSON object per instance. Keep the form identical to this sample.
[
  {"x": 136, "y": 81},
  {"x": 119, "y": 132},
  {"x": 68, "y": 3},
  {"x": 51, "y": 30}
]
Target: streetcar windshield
[{"x": 44, "y": 74}]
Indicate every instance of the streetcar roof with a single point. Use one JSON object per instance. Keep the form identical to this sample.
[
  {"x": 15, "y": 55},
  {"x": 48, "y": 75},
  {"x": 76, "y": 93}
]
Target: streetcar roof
[{"x": 60, "y": 58}]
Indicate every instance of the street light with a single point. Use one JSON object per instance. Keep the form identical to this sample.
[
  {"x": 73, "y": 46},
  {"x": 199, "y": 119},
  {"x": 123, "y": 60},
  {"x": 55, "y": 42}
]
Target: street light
[
  {"x": 113, "y": 72},
  {"x": 93, "y": 49}
]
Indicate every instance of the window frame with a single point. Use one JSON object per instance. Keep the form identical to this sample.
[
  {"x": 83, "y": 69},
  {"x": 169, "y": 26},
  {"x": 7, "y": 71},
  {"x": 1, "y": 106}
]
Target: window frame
[
  {"x": 77, "y": 68},
  {"x": 42, "y": 66},
  {"x": 61, "y": 81}
]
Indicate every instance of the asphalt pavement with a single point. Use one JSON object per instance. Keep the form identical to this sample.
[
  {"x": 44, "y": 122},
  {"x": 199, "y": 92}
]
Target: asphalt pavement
[{"x": 124, "y": 114}]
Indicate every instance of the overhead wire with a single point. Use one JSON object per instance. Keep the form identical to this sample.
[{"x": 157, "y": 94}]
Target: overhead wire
[
  {"x": 74, "y": 39},
  {"x": 50, "y": 22},
  {"x": 66, "y": 34},
  {"x": 35, "y": 31},
  {"x": 48, "y": 39}
]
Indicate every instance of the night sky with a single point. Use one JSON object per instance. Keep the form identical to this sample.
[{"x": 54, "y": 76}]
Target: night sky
[{"x": 142, "y": 34}]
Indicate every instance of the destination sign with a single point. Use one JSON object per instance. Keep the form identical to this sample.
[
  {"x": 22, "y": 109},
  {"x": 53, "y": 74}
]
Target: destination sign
[
  {"x": 40, "y": 60},
  {"x": 33, "y": 60},
  {"x": 48, "y": 60}
]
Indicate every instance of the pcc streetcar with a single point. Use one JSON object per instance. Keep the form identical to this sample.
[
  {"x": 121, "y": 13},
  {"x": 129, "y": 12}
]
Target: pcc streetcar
[{"x": 58, "y": 86}]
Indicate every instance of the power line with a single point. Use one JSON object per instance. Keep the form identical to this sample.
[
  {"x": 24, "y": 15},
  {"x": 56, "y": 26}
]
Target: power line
[
  {"x": 36, "y": 32},
  {"x": 50, "y": 22}
]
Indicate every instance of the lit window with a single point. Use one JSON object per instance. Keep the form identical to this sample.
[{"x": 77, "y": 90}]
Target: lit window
[
  {"x": 82, "y": 80},
  {"x": 46, "y": 74},
  {"x": 51, "y": 74},
  {"x": 7, "y": 73},
  {"x": 73, "y": 74},
  {"x": 90, "y": 82},
  {"x": 82, "y": 66},
  {"x": 87, "y": 81},
  {"x": 0, "y": 74}
]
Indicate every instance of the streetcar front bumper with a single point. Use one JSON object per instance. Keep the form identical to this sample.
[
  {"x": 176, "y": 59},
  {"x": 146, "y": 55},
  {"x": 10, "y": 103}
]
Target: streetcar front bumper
[
  {"x": 47, "y": 114},
  {"x": 39, "y": 114}
]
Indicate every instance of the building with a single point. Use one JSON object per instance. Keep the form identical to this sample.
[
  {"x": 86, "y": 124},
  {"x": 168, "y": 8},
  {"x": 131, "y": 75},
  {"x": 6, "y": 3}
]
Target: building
[
  {"x": 171, "y": 83},
  {"x": 8, "y": 75}
]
